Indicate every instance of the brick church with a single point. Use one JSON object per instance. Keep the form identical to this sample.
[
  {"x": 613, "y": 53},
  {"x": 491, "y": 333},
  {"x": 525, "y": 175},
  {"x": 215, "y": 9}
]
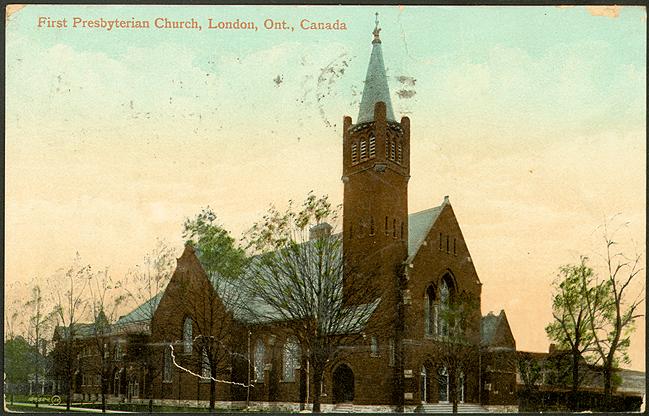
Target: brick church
[{"x": 424, "y": 264}]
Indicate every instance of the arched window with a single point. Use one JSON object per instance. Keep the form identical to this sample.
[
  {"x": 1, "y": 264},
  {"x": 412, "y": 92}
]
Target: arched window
[
  {"x": 461, "y": 387},
  {"x": 372, "y": 226},
  {"x": 372, "y": 147},
  {"x": 260, "y": 352},
  {"x": 363, "y": 150},
  {"x": 399, "y": 154},
  {"x": 167, "y": 366},
  {"x": 374, "y": 347},
  {"x": 187, "y": 336},
  {"x": 444, "y": 304},
  {"x": 442, "y": 381},
  {"x": 291, "y": 359},
  {"x": 429, "y": 311},
  {"x": 205, "y": 364},
  {"x": 354, "y": 153}
]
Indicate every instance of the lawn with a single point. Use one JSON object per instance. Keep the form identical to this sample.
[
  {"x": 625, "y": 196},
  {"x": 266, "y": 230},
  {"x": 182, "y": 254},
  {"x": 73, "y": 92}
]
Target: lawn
[{"x": 24, "y": 408}]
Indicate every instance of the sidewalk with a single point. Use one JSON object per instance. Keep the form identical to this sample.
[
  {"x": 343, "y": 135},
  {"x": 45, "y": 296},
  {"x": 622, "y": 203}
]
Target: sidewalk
[{"x": 61, "y": 408}]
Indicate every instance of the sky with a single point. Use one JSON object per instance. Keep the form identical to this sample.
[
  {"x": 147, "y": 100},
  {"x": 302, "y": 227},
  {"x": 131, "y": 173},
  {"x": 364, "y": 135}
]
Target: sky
[{"x": 531, "y": 119}]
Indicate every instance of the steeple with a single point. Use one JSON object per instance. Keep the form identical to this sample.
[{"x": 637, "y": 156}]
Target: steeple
[{"x": 376, "y": 83}]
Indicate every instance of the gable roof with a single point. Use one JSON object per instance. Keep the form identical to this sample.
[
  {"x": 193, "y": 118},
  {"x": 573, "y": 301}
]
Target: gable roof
[
  {"x": 488, "y": 326},
  {"x": 495, "y": 331},
  {"x": 419, "y": 225},
  {"x": 142, "y": 313}
]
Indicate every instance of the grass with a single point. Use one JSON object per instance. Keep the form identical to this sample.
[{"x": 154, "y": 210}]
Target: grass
[
  {"x": 32, "y": 409},
  {"x": 143, "y": 408}
]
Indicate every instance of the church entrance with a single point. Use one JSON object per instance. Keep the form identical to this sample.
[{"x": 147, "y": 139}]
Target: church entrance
[
  {"x": 426, "y": 377},
  {"x": 442, "y": 382},
  {"x": 343, "y": 384}
]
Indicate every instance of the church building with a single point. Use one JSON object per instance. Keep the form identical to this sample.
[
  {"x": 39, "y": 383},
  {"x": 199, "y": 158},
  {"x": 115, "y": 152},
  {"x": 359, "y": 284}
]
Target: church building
[{"x": 424, "y": 267}]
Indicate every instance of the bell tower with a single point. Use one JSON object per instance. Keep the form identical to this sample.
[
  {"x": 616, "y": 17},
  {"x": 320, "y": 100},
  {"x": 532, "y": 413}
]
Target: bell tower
[{"x": 376, "y": 169}]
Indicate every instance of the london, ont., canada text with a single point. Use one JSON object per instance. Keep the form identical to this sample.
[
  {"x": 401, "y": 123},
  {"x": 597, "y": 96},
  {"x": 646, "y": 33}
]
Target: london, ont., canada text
[{"x": 102, "y": 23}]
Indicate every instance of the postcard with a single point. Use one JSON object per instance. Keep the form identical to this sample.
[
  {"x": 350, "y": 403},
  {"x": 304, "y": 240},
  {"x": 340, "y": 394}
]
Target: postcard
[{"x": 325, "y": 208}]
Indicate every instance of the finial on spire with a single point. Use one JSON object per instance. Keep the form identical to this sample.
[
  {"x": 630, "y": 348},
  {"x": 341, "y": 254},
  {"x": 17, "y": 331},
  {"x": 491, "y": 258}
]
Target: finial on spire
[{"x": 377, "y": 29}]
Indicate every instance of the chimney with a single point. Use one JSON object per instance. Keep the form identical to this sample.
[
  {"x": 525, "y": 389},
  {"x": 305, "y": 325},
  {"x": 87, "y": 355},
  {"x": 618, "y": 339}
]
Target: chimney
[{"x": 320, "y": 231}]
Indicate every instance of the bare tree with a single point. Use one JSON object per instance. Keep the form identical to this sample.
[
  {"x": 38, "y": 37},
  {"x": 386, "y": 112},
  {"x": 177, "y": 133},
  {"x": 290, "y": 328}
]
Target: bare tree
[
  {"x": 39, "y": 322},
  {"x": 211, "y": 309},
  {"x": 455, "y": 347},
  {"x": 206, "y": 296},
  {"x": 14, "y": 320},
  {"x": 70, "y": 306},
  {"x": 144, "y": 287},
  {"x": 613, "y": 310},
  {"x": 296, "y": 278},
  {"x": 105, "y": 300}
]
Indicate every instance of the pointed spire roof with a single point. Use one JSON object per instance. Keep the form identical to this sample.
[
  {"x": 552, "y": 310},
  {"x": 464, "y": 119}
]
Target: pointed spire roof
[{"x": 376, "y": 82}]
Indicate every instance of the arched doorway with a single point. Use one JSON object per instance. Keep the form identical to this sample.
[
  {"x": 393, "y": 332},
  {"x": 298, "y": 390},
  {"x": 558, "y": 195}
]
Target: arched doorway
[
  {"x": 442, "y": 383},
  {"x": 343, "y": 384},
  {"x": 425, "y": 383}
]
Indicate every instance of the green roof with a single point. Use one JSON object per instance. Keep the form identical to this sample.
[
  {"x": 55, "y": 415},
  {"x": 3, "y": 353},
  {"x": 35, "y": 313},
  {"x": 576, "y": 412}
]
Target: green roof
[
  {"x": 376, "y": 86},
  {"x": 419, "y": 225}
]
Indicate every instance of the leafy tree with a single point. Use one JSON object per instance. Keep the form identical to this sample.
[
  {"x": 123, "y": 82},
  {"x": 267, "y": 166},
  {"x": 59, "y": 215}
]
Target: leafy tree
[
  {"x": 297, "y": 273},
  {"x": 18, "y": 359},
  {"x": 571, "y": 327},
  {"x": 215, "y": 245}
]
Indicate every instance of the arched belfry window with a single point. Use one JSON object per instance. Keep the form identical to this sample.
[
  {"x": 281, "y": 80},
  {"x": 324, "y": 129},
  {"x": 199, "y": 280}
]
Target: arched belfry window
[
  {"x": 363, "y": 150},
  {"x": 444, "y": 305},
  {"x": 399, "y": 154},
  {"x": 291, "y": 358},
  {"x": 187, "y": 336},
  {"x": 429, "y": 311},
  {"x": 372, "y": 146},
  {"x": 260, "y": 352},
  {"x": 354, "y": 153}
]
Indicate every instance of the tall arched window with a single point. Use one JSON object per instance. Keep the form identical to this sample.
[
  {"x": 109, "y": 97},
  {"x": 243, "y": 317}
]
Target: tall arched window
[
  {"x": 372, "y": 146},
  {"x": 291, "y": 358},
  {"x": 187, "y": 336},
  {"x": 444, "y": 303},
  {"x": 461, "y": 387},
  {"x": 167, "y": 365},
  {"x": 260, "y": 352},
  {"x": 429, "y": 311}
]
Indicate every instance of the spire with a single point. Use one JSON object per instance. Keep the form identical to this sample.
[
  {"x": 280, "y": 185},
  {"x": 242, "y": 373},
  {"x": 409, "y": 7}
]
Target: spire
[{"x": 376, "y": 82}]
